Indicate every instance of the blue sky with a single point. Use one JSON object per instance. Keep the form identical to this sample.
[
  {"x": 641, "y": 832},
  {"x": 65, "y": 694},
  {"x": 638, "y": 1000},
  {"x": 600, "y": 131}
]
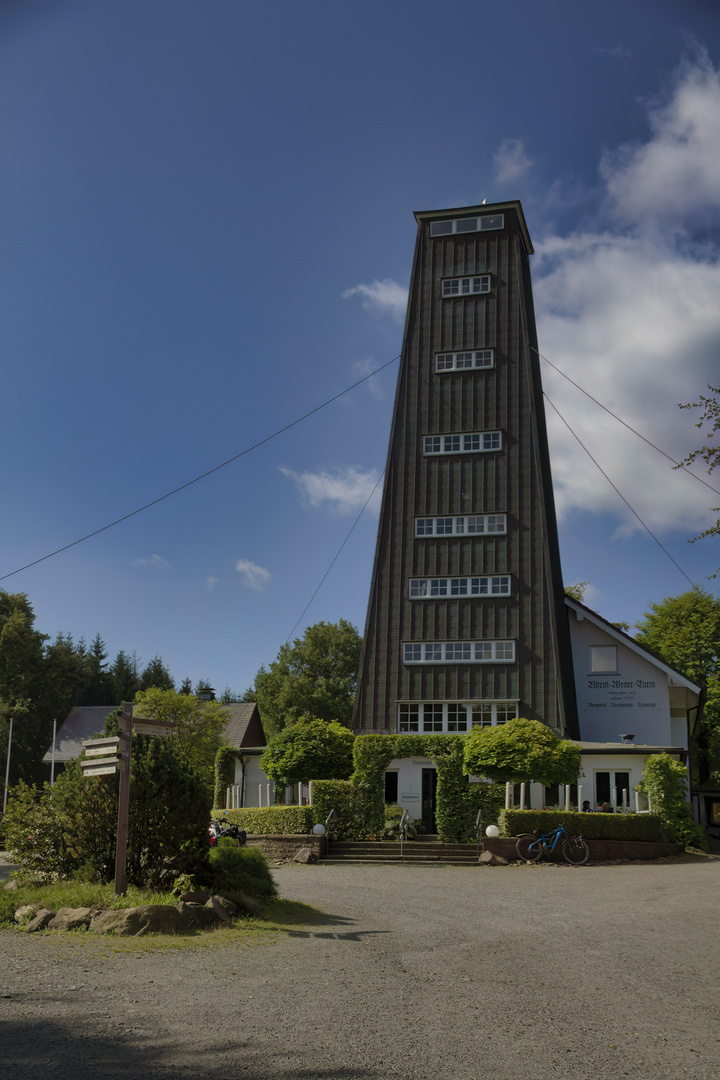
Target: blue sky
[{"x": 206, "y": 232}]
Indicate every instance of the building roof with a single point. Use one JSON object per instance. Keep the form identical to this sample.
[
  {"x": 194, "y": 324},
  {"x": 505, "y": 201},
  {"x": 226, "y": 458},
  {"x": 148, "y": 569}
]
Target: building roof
[
  {"x": 676, "y": 677},
  {"x": 84, "y": 721},
  {"x": 243, "y": 724},
  {"x": 80, "y": 724}
]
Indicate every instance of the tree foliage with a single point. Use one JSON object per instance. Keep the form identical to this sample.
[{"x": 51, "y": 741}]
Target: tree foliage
[
  {"x": 664, "y": 782},
  {"x": 73, "y": 825},
  {"x": 684, "y": 631},
  {"x": 198, "y": 725},
  {"x": 309, "y": 750},
  {"x": 710, "y": 452},
  {"x": 315, "y": 676},
  {"x": 521, "y": 751}
]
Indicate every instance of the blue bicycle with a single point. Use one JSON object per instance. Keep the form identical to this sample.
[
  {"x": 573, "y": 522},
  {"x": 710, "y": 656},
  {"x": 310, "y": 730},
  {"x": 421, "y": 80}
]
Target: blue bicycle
[{"x": 532, "y": 846}]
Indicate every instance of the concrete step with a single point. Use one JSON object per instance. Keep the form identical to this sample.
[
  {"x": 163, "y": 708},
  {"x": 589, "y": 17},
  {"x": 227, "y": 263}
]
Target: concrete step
[{"x": 426, "y": 853}]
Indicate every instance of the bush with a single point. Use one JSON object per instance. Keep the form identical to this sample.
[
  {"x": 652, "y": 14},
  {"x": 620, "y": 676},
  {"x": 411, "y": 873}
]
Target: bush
[
  {"x": 224, "y": 773},
  {"x": 285, "y": 820},
  {"x": 54, "y": 832},
  {"x": 589, "y": 826},
  {"x": 233, "y": 869},
  {"x": 664, "y": 783},
  {"x": 337, "y": 795},
  {"x": 34, "y": 832}
]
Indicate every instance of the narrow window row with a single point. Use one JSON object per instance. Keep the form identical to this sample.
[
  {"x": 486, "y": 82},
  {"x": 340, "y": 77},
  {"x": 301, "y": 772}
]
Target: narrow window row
[
  {"x": 466, "y": 286},
  {"x": 472, "y": 442},
  {"x": 458, "y": 652},
  {"x": 454, "y": 716},
  {"x": 427, "y": 588},
  {"x": 462, "y": 361},
  {"x": 467, "y": 525},
  {"x": 468, "y": 224}
]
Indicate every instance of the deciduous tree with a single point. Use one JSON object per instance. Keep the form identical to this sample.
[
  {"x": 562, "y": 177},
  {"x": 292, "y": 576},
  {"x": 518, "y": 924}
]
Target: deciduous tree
[
  {"x": 520, "y": 751},
  {"x": 309, "y": 750},
  {"x": 315, "y": 676}
]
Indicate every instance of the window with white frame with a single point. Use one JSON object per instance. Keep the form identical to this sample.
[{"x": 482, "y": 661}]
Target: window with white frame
[
  {"x": 430, "y": 588},
  {"x": 466, "y": 286},
  {"x": 481, "y": 223},
  {"x": 461, "y": 361},
  {"x": 458, "y": 652},
  {"x": 475, "y": 442},
  {"x": 603, "y": 659},
  {"x": 467, "y": 525},
  {"x": 453, "y": 716}
]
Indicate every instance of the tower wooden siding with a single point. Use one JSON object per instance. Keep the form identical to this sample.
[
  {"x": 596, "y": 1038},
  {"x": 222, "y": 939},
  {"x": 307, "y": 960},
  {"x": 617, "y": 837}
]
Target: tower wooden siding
[{"x": 514, "y": 480}]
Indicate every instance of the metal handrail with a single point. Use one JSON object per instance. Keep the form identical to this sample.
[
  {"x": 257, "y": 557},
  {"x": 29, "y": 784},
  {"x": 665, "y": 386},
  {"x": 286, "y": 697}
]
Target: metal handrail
[
  {"x": 404, "y": 822},
  {"x": 478, "y": 829},
  {"x": 329, "y": 820}
]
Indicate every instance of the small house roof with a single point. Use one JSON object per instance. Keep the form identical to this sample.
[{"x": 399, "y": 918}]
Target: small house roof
[
  {"x": 244, "y": 726},
  {"x": 80, "y": 724}
]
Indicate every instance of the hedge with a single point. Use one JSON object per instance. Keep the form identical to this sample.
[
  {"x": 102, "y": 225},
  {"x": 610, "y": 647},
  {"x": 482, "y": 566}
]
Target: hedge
[
  {"x": 337, "y": 795},
  {"x": 589, "y": 826},
  {"x": 284, "y": 820},
  {"x": 224, "y": 773}
]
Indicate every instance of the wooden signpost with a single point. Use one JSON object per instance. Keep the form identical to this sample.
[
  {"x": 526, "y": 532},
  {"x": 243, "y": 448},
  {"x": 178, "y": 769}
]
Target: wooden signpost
[{"x": 103, "y": 757}]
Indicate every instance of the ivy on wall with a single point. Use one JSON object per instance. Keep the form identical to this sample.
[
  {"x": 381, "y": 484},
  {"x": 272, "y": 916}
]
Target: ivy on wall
[{"x": 224, "y": 773}]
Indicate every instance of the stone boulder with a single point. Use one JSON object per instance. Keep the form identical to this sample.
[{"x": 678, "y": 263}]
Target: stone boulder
[
  {"x": 40, "y": 921},
  {"x": 138, "y": 921},
  {"x": 13, "y": 885},
  {"x": 305, "y": 855},
  {"x": 489, "y": 858},
  {"x": 200, "y": 896},
  {"x": 25, "y": 913},
  {"x": 69, "y": 918},
  {"x": 220, "y": 908},
  {"x": 198, "y": 915}
]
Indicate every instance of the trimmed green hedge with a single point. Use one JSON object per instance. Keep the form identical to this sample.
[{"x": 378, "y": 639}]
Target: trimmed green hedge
[
  {"x": 589, "y": 826},
  {"x": 224, "y": 773},
  {"x": 285, "y": 820},
  {"x": 337, "y": 795}
]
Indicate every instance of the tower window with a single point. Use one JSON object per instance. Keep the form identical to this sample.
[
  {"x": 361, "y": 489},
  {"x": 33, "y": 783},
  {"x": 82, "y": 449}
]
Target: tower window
[
  {"x": 454, "y": 716},
  {"x": 428, "y": 588},
  {"x": 462, "y": 361},
  {"x": 467, "y": 525},
  {"x": 466, "y": 225},
  {"x": 475, "y": 442},
  {"x": 466, "y": 286},
  {"x": 458, "y": 652}
]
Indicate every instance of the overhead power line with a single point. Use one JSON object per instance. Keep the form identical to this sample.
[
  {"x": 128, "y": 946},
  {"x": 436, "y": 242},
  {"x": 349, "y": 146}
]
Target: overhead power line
[
  {"x": 676, "y": 464},
  {"x": 618, "y": 492},
  {"x": 202, "y": 476}
]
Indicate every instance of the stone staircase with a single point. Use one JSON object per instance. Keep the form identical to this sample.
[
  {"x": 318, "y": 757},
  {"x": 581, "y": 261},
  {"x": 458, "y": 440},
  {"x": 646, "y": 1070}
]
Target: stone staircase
[{"x": 423, "y": 851}]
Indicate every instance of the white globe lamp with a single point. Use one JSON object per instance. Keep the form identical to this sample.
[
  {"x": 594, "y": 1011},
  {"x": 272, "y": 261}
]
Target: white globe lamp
[
  {"x": 492, "y": 830},
  {"x": 318, "y": 830}
]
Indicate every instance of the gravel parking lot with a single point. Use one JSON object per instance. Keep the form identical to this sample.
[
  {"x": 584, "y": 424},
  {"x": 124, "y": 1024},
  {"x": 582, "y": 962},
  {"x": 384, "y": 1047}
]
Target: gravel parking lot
[{"x": 496, "y": 973}]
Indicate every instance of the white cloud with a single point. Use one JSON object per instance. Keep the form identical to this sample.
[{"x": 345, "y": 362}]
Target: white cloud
[
  {"x": 673, "y": 175},
  {"x": 346, "y": 490},
  {"x": 210, "y": 583},
  {"x": 386, "y": 297},
  {"x": 256, "y": 577},
  {"x": 511, "y": 161},
  {"x": 156, "y": 562},
  {"x": 633, "y": 318}
]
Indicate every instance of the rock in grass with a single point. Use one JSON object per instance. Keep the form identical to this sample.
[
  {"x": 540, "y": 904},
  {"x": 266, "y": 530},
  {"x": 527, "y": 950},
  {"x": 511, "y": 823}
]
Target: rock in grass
[
  {"x": 40, "y": 921},
  {"x": 69, "y": 918}
]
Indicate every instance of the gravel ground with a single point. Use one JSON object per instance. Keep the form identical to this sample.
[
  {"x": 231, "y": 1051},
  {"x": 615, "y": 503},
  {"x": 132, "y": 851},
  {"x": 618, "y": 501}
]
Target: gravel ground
[{"x": 446, "y": 972}]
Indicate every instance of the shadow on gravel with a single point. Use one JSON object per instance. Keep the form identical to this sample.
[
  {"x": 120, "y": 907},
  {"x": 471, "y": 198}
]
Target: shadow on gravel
[{"x": 37, "y": 1048}]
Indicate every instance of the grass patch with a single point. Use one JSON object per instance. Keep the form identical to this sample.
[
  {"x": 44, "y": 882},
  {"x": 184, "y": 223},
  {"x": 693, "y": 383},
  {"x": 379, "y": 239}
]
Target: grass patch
[{"x": 277, "y": 917}]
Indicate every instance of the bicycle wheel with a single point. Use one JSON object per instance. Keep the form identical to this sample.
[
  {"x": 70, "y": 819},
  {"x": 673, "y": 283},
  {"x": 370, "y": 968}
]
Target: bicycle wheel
[
  {"x": 528, "y": 847},
  {"x": 576, "y": 851}
]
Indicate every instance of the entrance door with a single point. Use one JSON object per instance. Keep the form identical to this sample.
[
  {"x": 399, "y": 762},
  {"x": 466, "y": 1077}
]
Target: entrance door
[
  {"x": 429, "y": 788},
  {"x": 609, "y": 784}
]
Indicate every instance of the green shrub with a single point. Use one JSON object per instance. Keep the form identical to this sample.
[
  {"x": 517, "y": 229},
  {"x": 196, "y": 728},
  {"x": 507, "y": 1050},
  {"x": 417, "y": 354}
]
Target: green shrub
[
  {"x": 665, "y": 783},
  {"x": 337, "y": 795},
  {"x": 589, "y": 826},
  {"x": 34, "y": 832},
  {"x": 224, "y": 773},
  {"x": 56, "y": 832},
  {"x": 233, "y": 869},
  {"x": 285, "y": 820}
]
